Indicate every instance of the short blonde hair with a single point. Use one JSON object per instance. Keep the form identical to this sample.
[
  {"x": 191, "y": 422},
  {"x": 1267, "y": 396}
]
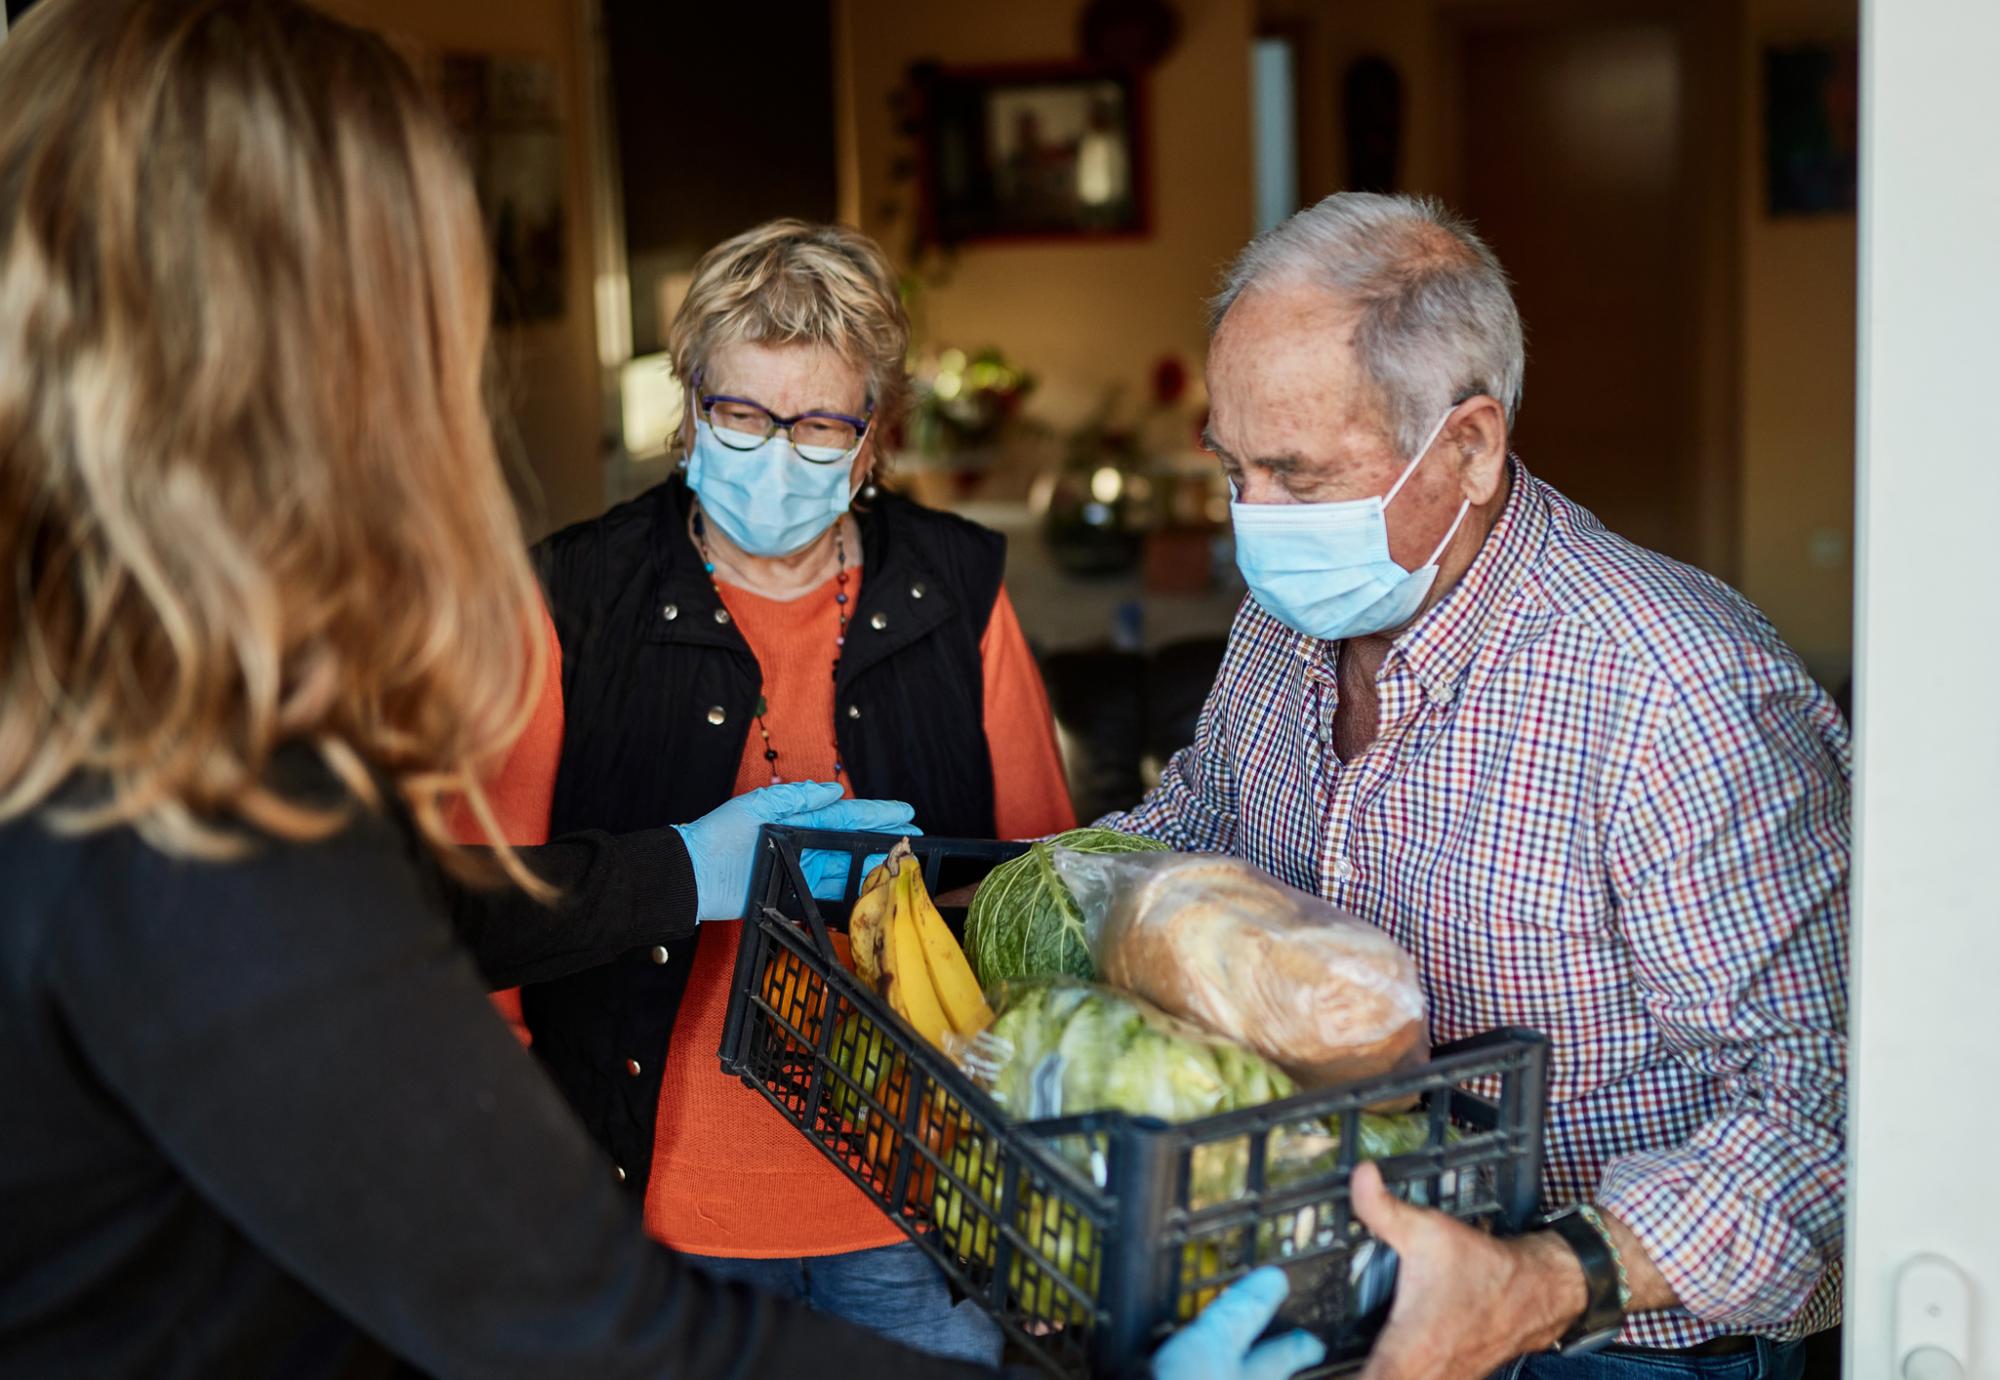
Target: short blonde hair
[
  {"x": 793, "y": 282},
  {"x": 248, "y": 490}
]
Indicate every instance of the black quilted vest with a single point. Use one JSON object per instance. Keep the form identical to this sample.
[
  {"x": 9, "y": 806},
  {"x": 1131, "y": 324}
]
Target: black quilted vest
[{"x": 658, "y": 694}]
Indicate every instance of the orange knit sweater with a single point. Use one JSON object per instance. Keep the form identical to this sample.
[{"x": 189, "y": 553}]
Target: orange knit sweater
[{"x": 730, "y": 1176}]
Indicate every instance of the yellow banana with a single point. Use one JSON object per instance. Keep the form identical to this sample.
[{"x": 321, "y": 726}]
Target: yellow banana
[
  {"x": 867, "y": 924},
  {"x": 907, "y": 981},
  {"x": 957, "y": 989}
]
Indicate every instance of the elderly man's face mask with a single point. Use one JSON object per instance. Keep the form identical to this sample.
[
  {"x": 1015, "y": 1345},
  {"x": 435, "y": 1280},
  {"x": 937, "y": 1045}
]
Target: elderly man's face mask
[{"x": 1324, "y": 569}]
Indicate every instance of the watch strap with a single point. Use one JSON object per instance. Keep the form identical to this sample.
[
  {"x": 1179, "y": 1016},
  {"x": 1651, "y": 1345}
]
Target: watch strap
[{"x": 1603, "y": 1278}]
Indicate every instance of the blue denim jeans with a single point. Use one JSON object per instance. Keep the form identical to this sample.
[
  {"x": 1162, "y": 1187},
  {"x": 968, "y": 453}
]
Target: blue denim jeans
[
  {"x": 1770, "y": 1361},
  {"x": 893, "y": 1290}
]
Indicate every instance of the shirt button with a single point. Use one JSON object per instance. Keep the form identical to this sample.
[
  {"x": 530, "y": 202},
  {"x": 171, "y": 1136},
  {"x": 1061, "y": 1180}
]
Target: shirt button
[
  {"x": 619, "y": 1170},
  {"x": 1343, "y": 870},
  {"x": 722, "y": 615},
  {"x": 671, "y": 612},
  {"x": 853, "y": 711},
  {"x": 659, "y": 953},
  {"x": 717, "y": 714},
  {"x": 916, "y": 591},
  {"x": 879, "y": 622},
  {"x": 632, "y": 1067}
]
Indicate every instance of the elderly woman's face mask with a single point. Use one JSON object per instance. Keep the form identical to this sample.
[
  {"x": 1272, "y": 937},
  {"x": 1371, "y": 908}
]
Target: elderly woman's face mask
[{"x": 772, "y": 484}]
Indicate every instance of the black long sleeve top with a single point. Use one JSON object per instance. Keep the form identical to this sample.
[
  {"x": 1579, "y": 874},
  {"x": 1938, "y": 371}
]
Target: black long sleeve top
[{"x": 258, "y": 1118}]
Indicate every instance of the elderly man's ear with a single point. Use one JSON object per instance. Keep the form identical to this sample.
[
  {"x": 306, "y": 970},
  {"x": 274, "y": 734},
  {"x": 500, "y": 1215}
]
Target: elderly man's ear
[{"x": 1476, "y": 440}]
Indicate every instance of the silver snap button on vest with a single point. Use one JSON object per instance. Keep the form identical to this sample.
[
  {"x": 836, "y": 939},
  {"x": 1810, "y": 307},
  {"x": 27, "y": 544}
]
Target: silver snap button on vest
[
  {"x": 632, "y": 1067},
  {"x": 879, "y": 622},
  {"x": 716, "y": 715},
  {"x": 853, "y": 711},
  {"x": 671, "y": 612},
  {"x": 659, "y": 953},
  {"x": 722, "y": 615},
  {"x": 916, "y": 591}
]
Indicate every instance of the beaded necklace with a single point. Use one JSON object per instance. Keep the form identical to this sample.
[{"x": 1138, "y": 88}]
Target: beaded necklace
[{"x": 839, "y": 642}]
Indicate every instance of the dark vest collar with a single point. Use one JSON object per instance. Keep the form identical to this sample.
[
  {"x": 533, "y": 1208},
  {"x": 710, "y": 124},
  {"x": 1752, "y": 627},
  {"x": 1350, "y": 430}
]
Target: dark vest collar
[{"x": 902, "y": 597}]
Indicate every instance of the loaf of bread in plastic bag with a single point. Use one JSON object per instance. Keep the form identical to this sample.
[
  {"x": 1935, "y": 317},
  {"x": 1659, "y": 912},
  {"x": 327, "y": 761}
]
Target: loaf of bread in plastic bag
[{"x": 1214, "y": 940}]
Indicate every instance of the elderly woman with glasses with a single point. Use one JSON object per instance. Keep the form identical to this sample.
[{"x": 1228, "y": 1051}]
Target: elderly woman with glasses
[{"x": 770, "y": 614}]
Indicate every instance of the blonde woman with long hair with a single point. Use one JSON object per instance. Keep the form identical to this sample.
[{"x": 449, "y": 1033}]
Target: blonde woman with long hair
[{"x": 268, "y": 624}]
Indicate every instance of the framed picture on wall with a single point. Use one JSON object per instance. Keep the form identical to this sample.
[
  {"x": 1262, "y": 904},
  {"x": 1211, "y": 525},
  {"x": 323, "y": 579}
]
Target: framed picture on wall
[
  {"x": 1032, "y": 153},
  {"x": 1812, "y": 129}
]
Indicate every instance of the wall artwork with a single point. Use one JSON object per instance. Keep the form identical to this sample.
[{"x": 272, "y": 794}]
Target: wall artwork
[
  {"x": 1055, "y": 152},
  {"x": 1811, "y": 129},
  {"x": 507, "y": 114}
]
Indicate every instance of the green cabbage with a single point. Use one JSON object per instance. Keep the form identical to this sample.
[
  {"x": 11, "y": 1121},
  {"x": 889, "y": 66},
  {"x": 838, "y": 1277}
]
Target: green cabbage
[
  {"x": 1069, "y": 1046},
  {"x": 1061, "y": 1047},
  {"x": 1025, "y": 924}
]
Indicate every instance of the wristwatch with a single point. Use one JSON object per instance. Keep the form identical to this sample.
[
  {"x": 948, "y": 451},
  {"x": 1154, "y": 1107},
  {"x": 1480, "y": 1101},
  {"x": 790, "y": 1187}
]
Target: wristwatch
[{"x": 1603, "y": 1280}]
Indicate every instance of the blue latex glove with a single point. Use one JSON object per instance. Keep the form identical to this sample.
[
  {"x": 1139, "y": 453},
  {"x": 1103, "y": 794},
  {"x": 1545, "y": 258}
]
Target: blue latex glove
[
  {"x": 722, "y": 844},
  {"x": 826, "y": 872},
  {"x": 1217, "y": 1345}
]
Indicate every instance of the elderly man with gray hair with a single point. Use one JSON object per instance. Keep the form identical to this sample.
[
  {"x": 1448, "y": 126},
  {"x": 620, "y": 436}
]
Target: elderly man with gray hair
[{"x": 1586, "y": 786}]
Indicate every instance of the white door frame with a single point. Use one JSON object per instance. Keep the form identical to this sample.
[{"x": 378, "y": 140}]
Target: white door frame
[{"x": 1924, "y": 1120}]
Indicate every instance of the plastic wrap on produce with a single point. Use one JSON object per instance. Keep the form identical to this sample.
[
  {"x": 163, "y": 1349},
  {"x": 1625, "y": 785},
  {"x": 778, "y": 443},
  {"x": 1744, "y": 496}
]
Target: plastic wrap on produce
[
  {"x": 1058, "y": 1047},
  {"x": 1227, "y": 946}
]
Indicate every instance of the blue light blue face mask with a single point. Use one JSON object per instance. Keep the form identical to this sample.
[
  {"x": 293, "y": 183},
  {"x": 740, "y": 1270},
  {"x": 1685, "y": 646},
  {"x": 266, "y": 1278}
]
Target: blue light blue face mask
[
  {"x": 1324, "y": 569},
  {"x": 769, "y": 501}
]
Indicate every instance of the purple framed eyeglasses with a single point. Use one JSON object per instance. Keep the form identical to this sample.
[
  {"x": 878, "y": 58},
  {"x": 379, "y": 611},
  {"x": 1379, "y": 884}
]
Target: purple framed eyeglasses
[{"x": 822, "y": 438}]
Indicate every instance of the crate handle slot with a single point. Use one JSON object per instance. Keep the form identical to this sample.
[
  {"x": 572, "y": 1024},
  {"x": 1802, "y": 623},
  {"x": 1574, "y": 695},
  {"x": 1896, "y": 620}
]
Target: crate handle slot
[{"x": 788, "y": 859}]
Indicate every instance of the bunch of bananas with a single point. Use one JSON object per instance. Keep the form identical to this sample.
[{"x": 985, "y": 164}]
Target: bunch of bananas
[
  {"x": 904, "y": 950},
  {"x": 901, "y": 947}
]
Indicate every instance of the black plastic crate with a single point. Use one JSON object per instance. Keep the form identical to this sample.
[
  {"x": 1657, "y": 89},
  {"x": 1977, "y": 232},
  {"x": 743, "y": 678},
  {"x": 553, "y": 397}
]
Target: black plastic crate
[{"x": 1090, "y": 1237}]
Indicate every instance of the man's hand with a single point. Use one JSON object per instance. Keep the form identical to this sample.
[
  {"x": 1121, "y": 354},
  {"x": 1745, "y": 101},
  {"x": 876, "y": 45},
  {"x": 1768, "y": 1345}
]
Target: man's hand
[{"x": 1466, "y": 1303}]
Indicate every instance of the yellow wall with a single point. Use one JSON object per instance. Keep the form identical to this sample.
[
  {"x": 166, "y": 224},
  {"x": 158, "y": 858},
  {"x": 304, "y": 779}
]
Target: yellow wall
[
  {"x": 1798, "y": 321},
  {"x": 1081, "y": 317},
  {"x": 550, "y": 369}
]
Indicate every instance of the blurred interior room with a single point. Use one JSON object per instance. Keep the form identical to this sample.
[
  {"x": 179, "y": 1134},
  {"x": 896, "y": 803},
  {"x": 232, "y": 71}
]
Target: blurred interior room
[
  {"x": 1675, "y": 189},
  {"x": 1672, "y": 185}
]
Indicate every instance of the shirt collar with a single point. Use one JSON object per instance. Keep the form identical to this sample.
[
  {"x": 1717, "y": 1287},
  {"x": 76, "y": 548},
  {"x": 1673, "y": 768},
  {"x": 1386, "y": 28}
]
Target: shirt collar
[{"x": 1439, "y": 647}]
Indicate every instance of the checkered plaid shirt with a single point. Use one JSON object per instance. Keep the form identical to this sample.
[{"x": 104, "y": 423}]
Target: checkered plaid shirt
[{"x": 1607, "y": 803}]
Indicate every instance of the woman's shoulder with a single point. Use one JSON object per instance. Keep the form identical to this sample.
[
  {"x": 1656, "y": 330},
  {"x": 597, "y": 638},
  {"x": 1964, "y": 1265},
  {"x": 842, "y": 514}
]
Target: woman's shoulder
[
  {"x": 616, "y": 543},
  {"x": 113, "y": 886},
  {"x": 105, "y": 926}
]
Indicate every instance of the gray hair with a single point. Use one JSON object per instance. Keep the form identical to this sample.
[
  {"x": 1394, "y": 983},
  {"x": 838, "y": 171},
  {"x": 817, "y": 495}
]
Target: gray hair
[{"x": 1437, "y": 322}]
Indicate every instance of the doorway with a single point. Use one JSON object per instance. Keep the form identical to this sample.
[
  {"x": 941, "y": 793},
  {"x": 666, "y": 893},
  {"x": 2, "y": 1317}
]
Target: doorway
[{"x": 1588, "y": 158}]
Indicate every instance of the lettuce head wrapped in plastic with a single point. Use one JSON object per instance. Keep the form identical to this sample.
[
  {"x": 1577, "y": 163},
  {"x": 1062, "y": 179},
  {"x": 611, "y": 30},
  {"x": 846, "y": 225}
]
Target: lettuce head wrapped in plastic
[{"x": 1060, "y": 1047}]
